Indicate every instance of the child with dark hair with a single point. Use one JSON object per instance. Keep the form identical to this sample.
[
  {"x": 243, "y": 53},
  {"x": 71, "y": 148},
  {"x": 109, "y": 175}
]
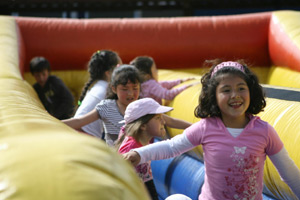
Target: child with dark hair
[
  {"x": 53, "y": 93},
  {"x": 100, "y": 68},
  {"x": 123, "y": 89},
  {"x": 235, "y": 142},
  {"x": 150, "y": 85}
]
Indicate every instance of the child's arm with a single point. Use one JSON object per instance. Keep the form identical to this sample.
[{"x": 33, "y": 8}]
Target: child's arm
[
  {"x": 77, "y": 123},
  {"x": 160, "y": 150},
  {"x": 171, "y": 84},
  {"x": 159, "y": 92},
  {"x": 287, "y": 169},
  {"x": 175, "y": 123}
]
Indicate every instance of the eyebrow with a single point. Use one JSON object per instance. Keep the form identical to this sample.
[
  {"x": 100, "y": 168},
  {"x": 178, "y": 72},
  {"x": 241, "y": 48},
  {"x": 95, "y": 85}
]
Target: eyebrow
[
  {"x": 242, "y": 83},
  {"x": 239, "y": 84},
  {"x": 134, "y": 85}
]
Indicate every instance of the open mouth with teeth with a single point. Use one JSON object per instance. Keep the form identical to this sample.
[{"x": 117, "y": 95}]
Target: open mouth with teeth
[{"x": 236, "y": 104}]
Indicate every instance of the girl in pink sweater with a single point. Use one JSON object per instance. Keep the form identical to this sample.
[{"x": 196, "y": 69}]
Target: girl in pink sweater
[
  {"x": 235, "y": 142},
  {"x": 151, "y": 87}
]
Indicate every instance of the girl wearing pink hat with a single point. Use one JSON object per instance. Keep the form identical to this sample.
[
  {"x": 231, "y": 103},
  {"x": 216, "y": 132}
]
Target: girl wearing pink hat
[{"x": 143, "y": 121}]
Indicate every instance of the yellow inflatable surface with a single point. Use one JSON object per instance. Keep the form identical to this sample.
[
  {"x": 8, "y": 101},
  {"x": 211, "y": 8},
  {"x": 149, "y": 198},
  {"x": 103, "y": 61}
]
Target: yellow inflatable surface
[{"x": 43, "y": 159}]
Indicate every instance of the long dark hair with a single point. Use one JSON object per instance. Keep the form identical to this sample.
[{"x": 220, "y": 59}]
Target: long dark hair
[
  {"x": 100, "y": 62},
  {"x": 208, "y": 106}
]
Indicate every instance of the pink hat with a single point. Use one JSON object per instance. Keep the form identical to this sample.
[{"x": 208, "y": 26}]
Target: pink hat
[{"x": 142, "y": 107}]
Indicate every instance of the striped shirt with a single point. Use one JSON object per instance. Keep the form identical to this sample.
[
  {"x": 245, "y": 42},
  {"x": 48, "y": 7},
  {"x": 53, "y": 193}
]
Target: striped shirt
[{"x": 110, "y": 115}]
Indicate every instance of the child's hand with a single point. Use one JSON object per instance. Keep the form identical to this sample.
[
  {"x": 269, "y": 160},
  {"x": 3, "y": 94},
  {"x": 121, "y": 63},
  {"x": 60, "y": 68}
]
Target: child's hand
[
  {"x": 187, "y": 79},
  {"x": 132, "y": 157},
  {"x": 193, "y": 84}
]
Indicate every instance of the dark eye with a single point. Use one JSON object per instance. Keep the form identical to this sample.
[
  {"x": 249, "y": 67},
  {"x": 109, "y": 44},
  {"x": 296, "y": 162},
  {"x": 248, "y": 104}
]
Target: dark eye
[{"x": 242, "y": 88}]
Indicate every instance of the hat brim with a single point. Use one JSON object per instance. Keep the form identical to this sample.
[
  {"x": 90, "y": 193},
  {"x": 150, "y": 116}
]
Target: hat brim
[{"x": 161, "y": 109}]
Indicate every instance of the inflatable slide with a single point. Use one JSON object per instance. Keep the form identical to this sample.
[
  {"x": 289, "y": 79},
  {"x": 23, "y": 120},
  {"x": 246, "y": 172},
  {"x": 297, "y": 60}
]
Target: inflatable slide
[{"x": 41, "y": 158}]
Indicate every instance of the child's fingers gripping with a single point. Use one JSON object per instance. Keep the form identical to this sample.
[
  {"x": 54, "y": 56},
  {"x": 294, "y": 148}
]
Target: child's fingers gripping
[{"x": 133, "y": 157}]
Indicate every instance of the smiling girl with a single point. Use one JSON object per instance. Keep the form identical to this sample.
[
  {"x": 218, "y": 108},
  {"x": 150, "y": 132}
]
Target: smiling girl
[
  {"x": 124, "y": 88},
  {"x": 235, "y": 142}
]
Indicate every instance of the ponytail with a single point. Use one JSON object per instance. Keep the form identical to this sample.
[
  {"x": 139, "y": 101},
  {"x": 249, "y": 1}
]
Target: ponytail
[
  {"x": 84, "y": 90},
  {"x": 100, "y": 62}
]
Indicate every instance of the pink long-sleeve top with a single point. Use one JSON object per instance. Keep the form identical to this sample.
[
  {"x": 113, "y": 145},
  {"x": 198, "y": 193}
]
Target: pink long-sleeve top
[{"x": 161, "y": 90}]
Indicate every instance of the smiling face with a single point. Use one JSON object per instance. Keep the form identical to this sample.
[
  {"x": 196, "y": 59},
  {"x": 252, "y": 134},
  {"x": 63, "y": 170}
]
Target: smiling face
[
  {"x": 233, "y": 99},
  {"x": 155, "y": 127},
  {"x": 127, "y": 93}
]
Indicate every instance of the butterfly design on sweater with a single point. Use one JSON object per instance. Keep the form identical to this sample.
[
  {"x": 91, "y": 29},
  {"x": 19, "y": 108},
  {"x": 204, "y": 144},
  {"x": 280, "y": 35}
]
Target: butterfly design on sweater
[{"x": 241, "y": 150}]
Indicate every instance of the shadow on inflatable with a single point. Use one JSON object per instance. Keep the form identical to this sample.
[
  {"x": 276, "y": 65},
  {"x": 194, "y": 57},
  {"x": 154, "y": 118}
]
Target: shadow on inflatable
[{"x": 41, "y": 158}]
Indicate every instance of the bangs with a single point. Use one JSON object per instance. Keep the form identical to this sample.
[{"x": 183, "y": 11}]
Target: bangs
[{"x": 132, "y": 77}]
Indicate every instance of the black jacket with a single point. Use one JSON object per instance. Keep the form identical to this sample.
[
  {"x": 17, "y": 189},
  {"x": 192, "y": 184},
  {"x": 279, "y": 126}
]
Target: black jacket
[{"x": 56, "y": 98}]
